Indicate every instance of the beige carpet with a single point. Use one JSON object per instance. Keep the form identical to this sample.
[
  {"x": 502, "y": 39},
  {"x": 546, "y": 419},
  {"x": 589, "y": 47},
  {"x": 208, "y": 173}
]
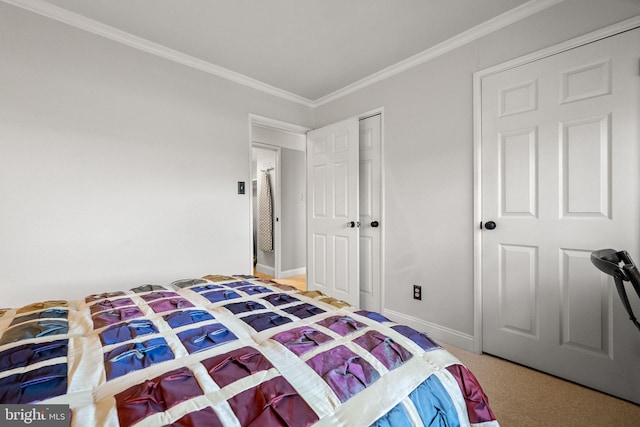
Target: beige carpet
[{"x": 522, "y": 397}]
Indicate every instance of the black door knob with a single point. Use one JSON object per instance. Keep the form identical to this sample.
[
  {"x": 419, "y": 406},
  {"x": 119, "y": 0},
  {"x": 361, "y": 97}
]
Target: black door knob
[
  {"x": 375, "y": 224},
  {"x": 351, "y": 224},
  {"x": 490, "y": 225}
]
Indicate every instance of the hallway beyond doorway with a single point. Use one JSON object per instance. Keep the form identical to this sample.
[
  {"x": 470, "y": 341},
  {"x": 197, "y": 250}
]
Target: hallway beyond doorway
[{"x": 299, "y": 282}]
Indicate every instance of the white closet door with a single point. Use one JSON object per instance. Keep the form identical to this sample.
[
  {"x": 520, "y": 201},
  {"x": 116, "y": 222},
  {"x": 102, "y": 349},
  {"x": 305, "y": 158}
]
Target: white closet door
[
  {"x": 370, "y": 213},
  {"x": 560, "y": 178}
]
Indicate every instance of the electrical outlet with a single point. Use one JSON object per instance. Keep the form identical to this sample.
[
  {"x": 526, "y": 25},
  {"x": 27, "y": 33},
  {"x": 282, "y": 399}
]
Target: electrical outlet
[{"x": 417, "y": 292}]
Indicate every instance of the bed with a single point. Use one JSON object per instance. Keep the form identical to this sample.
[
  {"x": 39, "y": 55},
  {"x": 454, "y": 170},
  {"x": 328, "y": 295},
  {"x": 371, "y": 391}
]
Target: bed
[{"x": 230, "y": 351}]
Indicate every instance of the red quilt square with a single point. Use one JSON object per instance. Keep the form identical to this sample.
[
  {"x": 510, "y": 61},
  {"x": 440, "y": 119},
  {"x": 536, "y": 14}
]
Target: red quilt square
[
  {"x": 230, "y": 367},
  {"x": 273, "y": 403}
]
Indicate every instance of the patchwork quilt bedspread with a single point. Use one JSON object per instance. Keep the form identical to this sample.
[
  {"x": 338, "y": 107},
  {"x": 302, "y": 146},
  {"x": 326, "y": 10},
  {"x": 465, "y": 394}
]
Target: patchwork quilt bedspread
[{"x": 230, "y": 351}]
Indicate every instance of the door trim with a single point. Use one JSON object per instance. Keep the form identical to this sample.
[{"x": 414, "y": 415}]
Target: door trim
[{"x": 591, "y": 37}]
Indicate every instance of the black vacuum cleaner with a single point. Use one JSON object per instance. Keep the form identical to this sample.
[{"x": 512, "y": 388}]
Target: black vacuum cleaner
[{"x": 619, "y": 265}]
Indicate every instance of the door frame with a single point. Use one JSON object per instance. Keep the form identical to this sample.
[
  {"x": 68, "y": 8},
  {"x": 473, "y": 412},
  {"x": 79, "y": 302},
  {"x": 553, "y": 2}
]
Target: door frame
[
  {"x": 591, "y": 37},
  {"x": 280, "y": 126}
]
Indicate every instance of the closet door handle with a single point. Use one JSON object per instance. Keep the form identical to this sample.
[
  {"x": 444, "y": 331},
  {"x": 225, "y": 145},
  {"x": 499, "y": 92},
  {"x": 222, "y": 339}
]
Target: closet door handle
[
  {"x": 490, "y": 225},
  {"x": 375, "y": 224},
  {"x": 351, "y": 224}
]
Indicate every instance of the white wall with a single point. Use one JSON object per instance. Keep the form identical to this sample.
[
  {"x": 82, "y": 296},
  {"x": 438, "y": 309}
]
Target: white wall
[
  {"x": 117, "y": 168},
  {"x": 294, "y": 212},
  {"x": 428, "y": 155}
]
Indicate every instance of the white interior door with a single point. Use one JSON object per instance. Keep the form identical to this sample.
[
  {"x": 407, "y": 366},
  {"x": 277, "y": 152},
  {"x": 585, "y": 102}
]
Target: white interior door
[
  {"x": 370, "y": 213},
  {"x": 560, "y": 162},
  {"x": 332, "y": 211}
]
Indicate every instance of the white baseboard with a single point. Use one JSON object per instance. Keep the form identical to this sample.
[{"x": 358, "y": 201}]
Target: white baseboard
[
  {"x": 437, "y": 332},
  {"x": 293, "y": 272},
  {"x": 265, "y": 269},
  {"x": 271, "y": 271}
]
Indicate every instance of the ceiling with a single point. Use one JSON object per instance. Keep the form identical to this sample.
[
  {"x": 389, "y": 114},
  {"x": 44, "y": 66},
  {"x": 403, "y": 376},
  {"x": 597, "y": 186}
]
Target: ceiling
[{"x": 307, "y": 50}]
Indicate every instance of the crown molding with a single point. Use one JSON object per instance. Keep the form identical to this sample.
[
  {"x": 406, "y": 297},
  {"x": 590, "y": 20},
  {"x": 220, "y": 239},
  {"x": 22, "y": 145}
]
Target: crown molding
[
  {"x": 90, "y": 25},
  {"x": 514, "y": 15}
]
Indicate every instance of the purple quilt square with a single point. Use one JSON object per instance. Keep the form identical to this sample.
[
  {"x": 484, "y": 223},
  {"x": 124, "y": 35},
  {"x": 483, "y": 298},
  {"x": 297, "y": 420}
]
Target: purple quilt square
[
  {"x": 229, "y": 367},
  {"x": 244, "y": 307},
  {"x": 301, "y": 340},
  {"x": 162, "y": 305},
  {"x": 263, "y": 321},
  {"x": 111, "y": 304},
  {"x": 383, "y": 348},
  {"x": 280, "y": 299},
  {"x": 304, "y": 310},
  {"x": 344, "y": 371},
  {"x": 115, "y": 316},
  {"x": 156, "y": 395},
  {"x": 342, "y": 325}
]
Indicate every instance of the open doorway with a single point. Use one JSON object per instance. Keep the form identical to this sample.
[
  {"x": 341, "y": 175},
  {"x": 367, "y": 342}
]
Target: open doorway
[
  {"x": 265, "y": 197},
  {"x": 278, "y": 200}
]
